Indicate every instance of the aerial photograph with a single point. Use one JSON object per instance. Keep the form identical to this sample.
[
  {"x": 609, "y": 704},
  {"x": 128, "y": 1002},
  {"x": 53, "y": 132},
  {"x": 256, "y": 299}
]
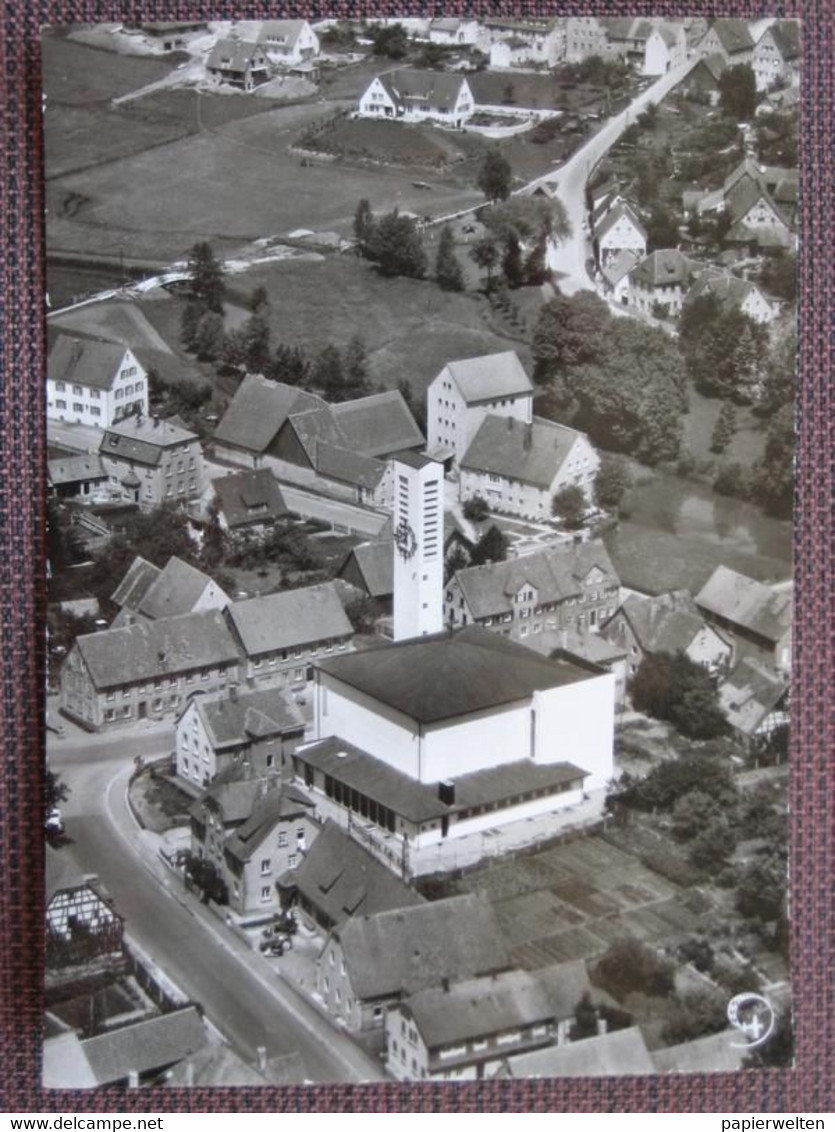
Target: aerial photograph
[{"x": 420, "y": 454}]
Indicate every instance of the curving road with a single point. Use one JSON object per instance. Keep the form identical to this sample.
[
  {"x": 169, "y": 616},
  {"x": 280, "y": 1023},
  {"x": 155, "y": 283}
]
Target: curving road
[
  {"x": 238, "y": 989},
  {"x": 568, "y": 259}
]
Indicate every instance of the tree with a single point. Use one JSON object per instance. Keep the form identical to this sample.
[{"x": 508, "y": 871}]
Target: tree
[
  {"x": 189, "y": 322},
  {"x": 448, "y": 271},
  {"x": 495, "y": 176},
  {"x": 397, "y": 247},
  {"x": 662, "y": 229},
  {"x": 491, "y": 547},
  {"x": 696, "y": 1013},
  {"x": 327, "y": 374},
  {"x": 778, "y": 276},
  {"x": 208, "y": 340},
  {"x": 255, "y": 343},
  {"x": 724, "y": 429},
  {"x": 290, "y": 365},
  {"x": 355, "y": 366},
  {"x": 738, "y": 92},
  {"x": 569, "y": 504},
  {"x": 364, "y": 228},
  {"x": 476, "y": 509},
  {"x": 536, "y": 268},
  {"x": 206, "y": 272},
  {"x": 734, "y": 480},
  {"x": 390, "y": 40},
  {"x": 215, "y": 544},
  {"x": 713, "y": 845},
  {"x": 780, "y": 375},
  {"x": 692, "y": 812},
  {"x": 569, "y": 332},
  {"x": 485, "y": 254},
  {"x": 676, "y": 689},
  {"x": 612, "y": 481},
  {"x": 630, "y": 966},
  {"x": 585, "y": 1019},
  {"x": 258, "y": 300},
  {"x": 528, "y": 218},
  {"x": 772, "y": 478},
  {"x": 456, "y": 560},
  {"x": 204, "y": 875},
  {"x": 55, "y": 791},
  {"x": 666, "y": 782},
  {"x": 512, "y": 261}
]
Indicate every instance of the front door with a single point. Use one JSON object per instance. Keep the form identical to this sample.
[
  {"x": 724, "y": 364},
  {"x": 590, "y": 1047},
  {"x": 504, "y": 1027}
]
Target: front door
[{"x": 143, "y": 709}]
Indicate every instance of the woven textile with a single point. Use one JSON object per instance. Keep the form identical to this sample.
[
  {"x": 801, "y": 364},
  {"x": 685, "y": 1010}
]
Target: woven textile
[{"x": 808, "y": 1087}]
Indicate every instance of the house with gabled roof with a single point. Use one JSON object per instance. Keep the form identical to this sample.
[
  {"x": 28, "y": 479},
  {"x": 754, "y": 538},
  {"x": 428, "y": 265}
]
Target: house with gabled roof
[
  {"x": 756, "y": 218},
  {"x": 140, "y": 1052},
  {"x": 77, "y": 477},
  {"x": 372, "y": 961},
  {"x": 702, "y": 79},
  {"x": 252, "y": 731},
  {"x": 288, "y": 43},
  {"x": 153, "y": 461},
  {"x": 776, "y": 56},
  {"x": 253, "y": 417},
  {"x": 755, "y": 700},
  {"x": 613, "y": 1054},
  {"x": 146, "y": 670},
  {"x": 664, "y": 278},
  {"x": 465, "y": 391},
  {"x": 584, "y": 36},
  {"x": 755, "y": 617},
  {"x": 281, "y": 635},
  {"x": 239, "y": 62},
  {"x": 518, "y": 467},
  {"x": 146, "y": 591},
  {"x": 729, "y": 38},
  {"x": 418, "y": 96},
  {"x": 573, "y": 586},
  {"x": 619, "y": 229},
  {"x": 669, "y": 623},
  {"x": 733, "y": 293},
  {"x": 518, "y": 41},
  {"x": 616, "y": 275},
  {"x": 93, "y": 381},
  {"x": 370, "y": 568},
  {"x": 249, "y": 502},
  {"x": 378, "y": 425},
  {"x": 253, "y": 831},
  {"x": 82, "y": 924},
  {"x": 627, "y": 36},
  {"x": 452, "y": 32},
  {"x": 665, "y": 48},
  {"x": 463, "y": 1031},
  {"x": 338, "y": 878}
]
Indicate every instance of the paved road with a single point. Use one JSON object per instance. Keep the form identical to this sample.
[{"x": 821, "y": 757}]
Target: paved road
[
  {"x": 569, "y": 260},
  {"x": 238, "y": 988}
]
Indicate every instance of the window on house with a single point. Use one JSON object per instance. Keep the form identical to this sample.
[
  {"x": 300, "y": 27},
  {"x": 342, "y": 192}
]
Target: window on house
[
  {"x": 265, "y": 894},
  {"x": 291, "y": 861},
  {"x": 282, "y": 838},
  {"x": 77, "y": 407},
  {"x": 59, "y": 404},
  {"x": 60, "y": 387},
  {"x": 266, "y": 865}
]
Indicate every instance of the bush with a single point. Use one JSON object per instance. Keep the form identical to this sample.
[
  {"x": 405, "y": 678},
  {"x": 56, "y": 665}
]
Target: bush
[
  {"x": 695, "y": 1014},
  {"x": 476, "y": 509},
  {"x": 632, "y": 967}
]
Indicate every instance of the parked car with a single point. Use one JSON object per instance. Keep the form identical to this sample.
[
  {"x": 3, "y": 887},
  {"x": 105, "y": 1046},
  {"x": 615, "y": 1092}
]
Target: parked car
[{"x": 54, "y": 822}]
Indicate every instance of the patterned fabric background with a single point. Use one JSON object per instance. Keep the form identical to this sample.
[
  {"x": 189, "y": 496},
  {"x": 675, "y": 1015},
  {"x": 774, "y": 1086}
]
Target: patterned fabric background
[{"x": 807, "y": 1088}]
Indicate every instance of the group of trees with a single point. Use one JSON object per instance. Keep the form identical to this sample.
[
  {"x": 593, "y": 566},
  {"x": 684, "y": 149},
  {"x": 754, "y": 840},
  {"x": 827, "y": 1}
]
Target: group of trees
[
  {"x": 621, "y": 381},
  {"x": 675, "y": 688},
  {"x": 392, "y": 241},
  {"x": 738, "y": 92},
  {"x": 725, "y": 350}
]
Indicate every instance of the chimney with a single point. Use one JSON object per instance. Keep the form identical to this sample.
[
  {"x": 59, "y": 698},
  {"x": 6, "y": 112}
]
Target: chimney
[
  {"x": 262, "y": 1058},
  {"x": 446, "y": 792}
]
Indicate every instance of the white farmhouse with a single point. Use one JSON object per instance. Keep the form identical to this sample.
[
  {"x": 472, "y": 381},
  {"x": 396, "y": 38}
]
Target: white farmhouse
[
  {"x": 418, "y": 96},
  {"x": 92, "y": 381},
  {"x": 288, "y": 42},
  {"x": 665, "y": 49}
]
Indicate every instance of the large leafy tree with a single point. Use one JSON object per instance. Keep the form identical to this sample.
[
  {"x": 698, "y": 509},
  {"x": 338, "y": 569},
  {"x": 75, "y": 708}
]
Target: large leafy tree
[
  {"x": 676, "y": 689},
  {"x": 495, "y": 176},
  {"x": 673, "y": 779},
  {"x": 397, "y": 246},
  {"x": 390, "y": 40},
  {"x": 569, "y": 504},
  {"x": 569, "y": 332},
  {"x": 725, "y": 351},
  {"x": 448, "y": 272},
  {"x": 485, "y": 253},
  {"x": 612, "y": 481},
  {"x": 738, "y": 92},
  {"x": 491, "y": 547},
  {"x": 206, "y": 272}
]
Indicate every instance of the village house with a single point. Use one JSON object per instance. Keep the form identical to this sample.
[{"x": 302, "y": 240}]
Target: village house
[
  {"x": 660, "y": 283},
  {"x": 616, "y": 275},
  {"x": 282, "y": 634},
  {"x": 734, "y": 293},
  {"x": 729, "y": 38},
  {"x": 516, "y": 42},
  {"x": 755, "y": 700},
  {"x": 153, "y": 461},
  {"x": 669, "y": 623},
  {"x": 77, "y": 477},
  {"x": 146, "y": 670},
  {"x": 776, "y": 57},
  {"x": 239, "y": 63},
  {"x": 665, "y": 49},
  {"x": 455, "y": 33},
  {"x": 617, "y": 229},
  {"x": 573, "y": 586},
  {"x": 337, "y": 878},
  {"x": 702, "y": 79},
  {"x": 253, "y": 832},
  {"x": 82, "y": 925},
  {"x": 371, "y": 961},
  {"x": 424, "y": 743},
  {"x": 465, "y": 391},
  {"x": 418, "y": 96},
  {"x": 92, "y": 381},
  {"x": 150, "y": 593},
  {"x": 288, "y": 43},
  {"x": 252, "y": 731},
  {"x": 627, "y": 37},
  {"x": 172, "y": 35},
  {"x": 584, "y": 36},
  {"x": 754, "y": 617},
  {"x": 518, "y": 468},
  {"x": 463, "y": 1031},
  {"x": 613, "y": 1054},
  {"x": 369, "y": 567},
  {"x": 249, "y": 503},
  {"x": 253, "y": 417}
]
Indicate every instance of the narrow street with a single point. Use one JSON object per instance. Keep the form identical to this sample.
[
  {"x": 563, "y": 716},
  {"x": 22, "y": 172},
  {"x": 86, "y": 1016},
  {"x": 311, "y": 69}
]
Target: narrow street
[{"x": 240, "y": 992}]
